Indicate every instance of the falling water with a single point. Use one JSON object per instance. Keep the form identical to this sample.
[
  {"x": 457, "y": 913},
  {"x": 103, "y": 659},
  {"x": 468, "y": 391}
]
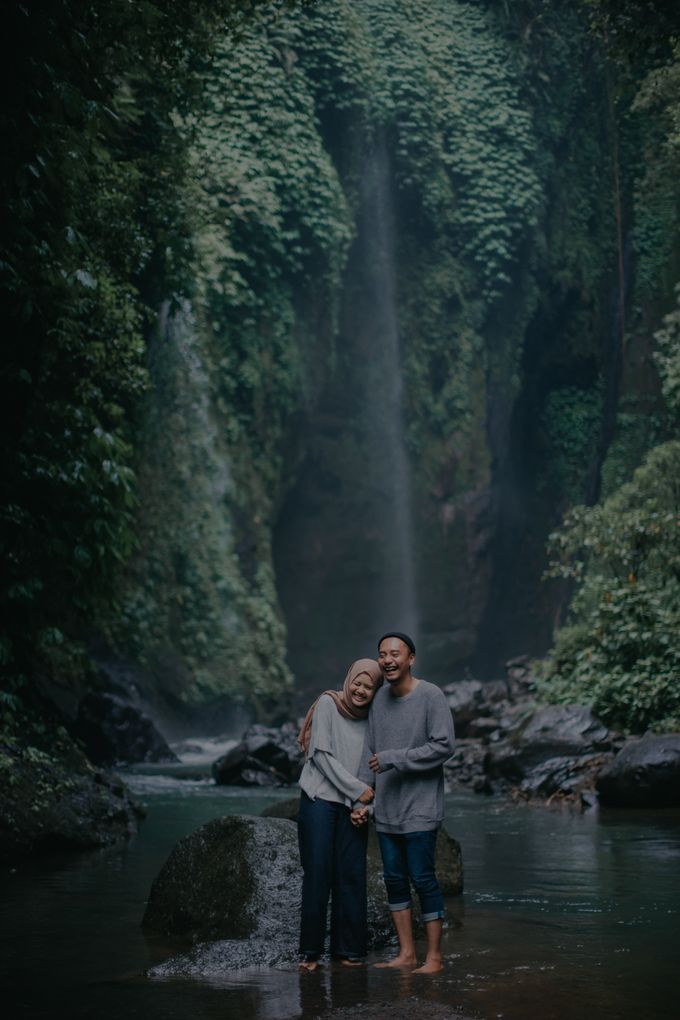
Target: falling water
[
  {"x": 397, "y": 592},
  {"x": 344, "y": 541}
]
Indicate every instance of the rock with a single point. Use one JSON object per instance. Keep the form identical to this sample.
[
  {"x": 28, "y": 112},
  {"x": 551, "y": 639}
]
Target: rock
[
  {"x": 553, "y": 731},
  {"x": 570, "y": 728},
  {"x": 449, "y": 863},
  {"x": 464, "y": 698},
  {"x": 227, "y": 768},
  {"x": 226, "y": 879},
  {"x": 112, "y": 731},
  {"x": 265, "y": 756},
  {"x": 483, "y": 726},
  {"x": 519, "y": 675},
  {"x": 283, "y": 809},
  {"x": 237, "y": 880},
  {"x": 645, "y": 773},
  {"x": 466, "y": 765},
  {"x": 563, "y": 778},
  {"x": 495, "y": 691},
  {"x": 50, "y": 802}
]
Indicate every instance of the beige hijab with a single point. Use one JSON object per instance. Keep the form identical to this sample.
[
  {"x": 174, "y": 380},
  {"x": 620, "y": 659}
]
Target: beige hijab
[{"x": 342, "y": 699}]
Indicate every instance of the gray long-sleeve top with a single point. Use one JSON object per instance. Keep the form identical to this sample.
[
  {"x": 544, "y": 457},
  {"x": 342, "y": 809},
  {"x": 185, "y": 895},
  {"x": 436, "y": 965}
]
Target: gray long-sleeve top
[
  {"x": 413, "y": 737},
  {"x": 335, "y": 747}
]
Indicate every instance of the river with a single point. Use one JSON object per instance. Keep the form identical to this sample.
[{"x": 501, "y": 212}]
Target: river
[{"x": 564, "y": 916}]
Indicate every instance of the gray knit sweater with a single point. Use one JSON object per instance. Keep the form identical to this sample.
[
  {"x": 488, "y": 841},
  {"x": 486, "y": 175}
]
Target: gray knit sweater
[
  {"x": 413, "y": 737},
  {"x": 333, "y": 756}
]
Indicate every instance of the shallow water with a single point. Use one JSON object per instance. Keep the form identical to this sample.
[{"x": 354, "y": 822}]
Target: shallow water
[{"x": 564, "y": 916}]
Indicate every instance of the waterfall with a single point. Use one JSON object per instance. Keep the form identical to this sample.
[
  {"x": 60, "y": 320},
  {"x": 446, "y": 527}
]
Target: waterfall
[
  {"x": 396, "y": 606},
  {"x": 343, "y": 543}
]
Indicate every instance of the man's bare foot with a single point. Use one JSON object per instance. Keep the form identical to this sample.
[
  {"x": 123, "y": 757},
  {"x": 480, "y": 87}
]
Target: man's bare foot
[
  {"x": 344, "y": 962},
  {"x": 431, "y": 966},
  {"x": 309, "y": 965},
  {"x": 403, "y": 960}
]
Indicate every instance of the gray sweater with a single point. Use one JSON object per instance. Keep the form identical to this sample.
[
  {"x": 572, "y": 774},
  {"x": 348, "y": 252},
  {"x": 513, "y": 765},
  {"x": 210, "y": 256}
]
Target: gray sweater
[
  {"x": 335, "y": 747},
  {"x": 413, "y": 737}
]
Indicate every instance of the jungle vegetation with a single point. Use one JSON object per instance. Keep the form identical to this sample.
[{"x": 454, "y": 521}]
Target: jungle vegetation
[{"x": 181, "y": 186}]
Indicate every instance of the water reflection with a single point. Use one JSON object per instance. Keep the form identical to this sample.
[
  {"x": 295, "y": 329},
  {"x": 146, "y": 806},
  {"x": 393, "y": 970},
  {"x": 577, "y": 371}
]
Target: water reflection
[{"x": 563, "y": 915}]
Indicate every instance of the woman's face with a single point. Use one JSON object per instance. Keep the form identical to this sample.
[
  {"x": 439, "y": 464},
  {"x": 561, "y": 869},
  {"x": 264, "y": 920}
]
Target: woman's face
[{"x": 361, "y": 690}]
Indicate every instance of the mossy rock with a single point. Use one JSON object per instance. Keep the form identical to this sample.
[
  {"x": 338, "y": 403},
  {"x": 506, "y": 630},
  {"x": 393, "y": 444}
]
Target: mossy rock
[
  {"x": 220, "y": 881},
  {"x": 50, "y": 803}
]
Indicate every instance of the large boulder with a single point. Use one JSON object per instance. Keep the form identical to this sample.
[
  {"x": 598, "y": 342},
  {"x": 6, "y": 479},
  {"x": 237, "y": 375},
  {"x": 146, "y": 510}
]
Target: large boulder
[
  {"x": 519, "y": 676},
  {"x": 564, "y": 779},
  {"x": 465, "y": 699},
  {"x": 112, "y": 731},
  {"x": 645, "y": 773},
  {"x": 55, "y": 801},
  {"x": 265, "y": 756},
  {"x": 553, "y": 731},
  {"x": 236, "y": 882},
  {"x": 226, "y": 879}
]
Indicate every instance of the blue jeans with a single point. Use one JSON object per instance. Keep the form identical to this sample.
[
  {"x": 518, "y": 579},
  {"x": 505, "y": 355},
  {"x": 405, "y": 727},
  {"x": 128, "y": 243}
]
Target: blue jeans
[
  {"x": 410, "y": 855},
  {"x": 333, "y": 857}
]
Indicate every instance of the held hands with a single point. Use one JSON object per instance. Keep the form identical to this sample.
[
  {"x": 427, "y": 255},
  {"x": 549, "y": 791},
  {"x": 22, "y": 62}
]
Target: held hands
[{"x": 359, "y": 816}]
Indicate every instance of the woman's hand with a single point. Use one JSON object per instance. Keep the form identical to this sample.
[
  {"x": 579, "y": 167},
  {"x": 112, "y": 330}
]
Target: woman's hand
[
  {"x": 359, "y": 816},
  {"x": 367, "y": 796}
]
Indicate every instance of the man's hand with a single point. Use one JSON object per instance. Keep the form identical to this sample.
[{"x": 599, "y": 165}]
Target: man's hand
[
  {"x": 359, "y": 816},
  {"x": 367, "y": 796},
  {"x": 373, "y": 763}
]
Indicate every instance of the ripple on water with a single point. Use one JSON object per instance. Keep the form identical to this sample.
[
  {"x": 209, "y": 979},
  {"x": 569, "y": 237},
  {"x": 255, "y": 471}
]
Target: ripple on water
[{"x": 143, "y": 784}]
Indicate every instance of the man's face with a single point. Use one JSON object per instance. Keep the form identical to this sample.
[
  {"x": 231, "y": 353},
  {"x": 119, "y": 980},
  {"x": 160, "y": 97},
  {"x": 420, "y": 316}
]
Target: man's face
[{"x": 395, "y": 658}]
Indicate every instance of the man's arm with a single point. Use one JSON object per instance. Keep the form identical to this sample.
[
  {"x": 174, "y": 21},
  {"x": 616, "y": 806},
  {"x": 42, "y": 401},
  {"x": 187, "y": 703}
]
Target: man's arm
[{"x": 438, "y": 748}]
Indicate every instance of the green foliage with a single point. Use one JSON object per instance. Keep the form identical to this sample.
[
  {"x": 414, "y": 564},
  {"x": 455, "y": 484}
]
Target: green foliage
[
  {"x": 620, "y": 652},
  {"x": 571, "y": 425},
  {"x": 270, "y": 230},
  {"x": 93, "y": 174},
  {"x": 637, "y": 432},
  {"x": 668, "y": 356}
]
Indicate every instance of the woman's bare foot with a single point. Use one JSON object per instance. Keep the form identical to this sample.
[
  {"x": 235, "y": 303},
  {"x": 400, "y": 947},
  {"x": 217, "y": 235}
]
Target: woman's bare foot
[
  {"x": 344, "y": 962},
  {"x": 309, "y": 965},
  {"x": 432, "y": 965},
  {"x": 403, "y": 960}
]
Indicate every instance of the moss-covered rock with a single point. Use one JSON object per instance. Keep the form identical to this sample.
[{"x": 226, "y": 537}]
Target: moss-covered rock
[
  {"x": 52, "y": 801},
  {"x": 237, "y": 881}
]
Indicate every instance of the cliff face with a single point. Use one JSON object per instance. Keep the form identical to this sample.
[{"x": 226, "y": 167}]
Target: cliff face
[{"x": 401, "y": 359}]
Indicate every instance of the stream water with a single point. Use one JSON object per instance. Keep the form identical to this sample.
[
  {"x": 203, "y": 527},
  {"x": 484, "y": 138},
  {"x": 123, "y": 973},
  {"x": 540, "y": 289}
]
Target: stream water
[{"x": 564, "y": 916}]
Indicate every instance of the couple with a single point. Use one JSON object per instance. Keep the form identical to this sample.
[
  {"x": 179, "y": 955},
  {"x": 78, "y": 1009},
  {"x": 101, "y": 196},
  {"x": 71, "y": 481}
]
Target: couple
[{"x": 394, "y": 753}]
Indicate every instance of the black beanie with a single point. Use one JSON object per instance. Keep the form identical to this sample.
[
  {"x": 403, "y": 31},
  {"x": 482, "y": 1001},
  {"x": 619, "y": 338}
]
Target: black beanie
[{"x": 402, "y": 637}]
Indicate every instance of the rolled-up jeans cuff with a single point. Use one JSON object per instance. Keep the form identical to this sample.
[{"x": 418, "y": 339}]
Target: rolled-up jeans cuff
[
  {"x": 394, "y": 907},
  {"x": 434, "y": 915}
]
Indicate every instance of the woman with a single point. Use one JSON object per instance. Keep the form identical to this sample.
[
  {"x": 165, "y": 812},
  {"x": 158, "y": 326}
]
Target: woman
[{"x": 332, "y": 844}]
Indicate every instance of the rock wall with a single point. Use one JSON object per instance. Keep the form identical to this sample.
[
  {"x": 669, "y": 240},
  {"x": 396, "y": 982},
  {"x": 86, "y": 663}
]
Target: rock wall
[{"x": 399, "y": 218}]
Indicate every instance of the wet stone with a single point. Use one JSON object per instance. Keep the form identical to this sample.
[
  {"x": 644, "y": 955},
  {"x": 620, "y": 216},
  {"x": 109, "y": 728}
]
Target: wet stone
[{"x": 645, "y": 773}]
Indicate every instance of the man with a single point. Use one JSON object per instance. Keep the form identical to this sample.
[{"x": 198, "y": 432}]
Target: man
[{"x": 410, "y": 736}]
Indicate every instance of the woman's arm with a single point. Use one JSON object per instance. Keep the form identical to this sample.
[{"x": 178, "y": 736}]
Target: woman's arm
[
  {"x": 321, "y": 752},
  {"x": 339, "y": 777}
]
